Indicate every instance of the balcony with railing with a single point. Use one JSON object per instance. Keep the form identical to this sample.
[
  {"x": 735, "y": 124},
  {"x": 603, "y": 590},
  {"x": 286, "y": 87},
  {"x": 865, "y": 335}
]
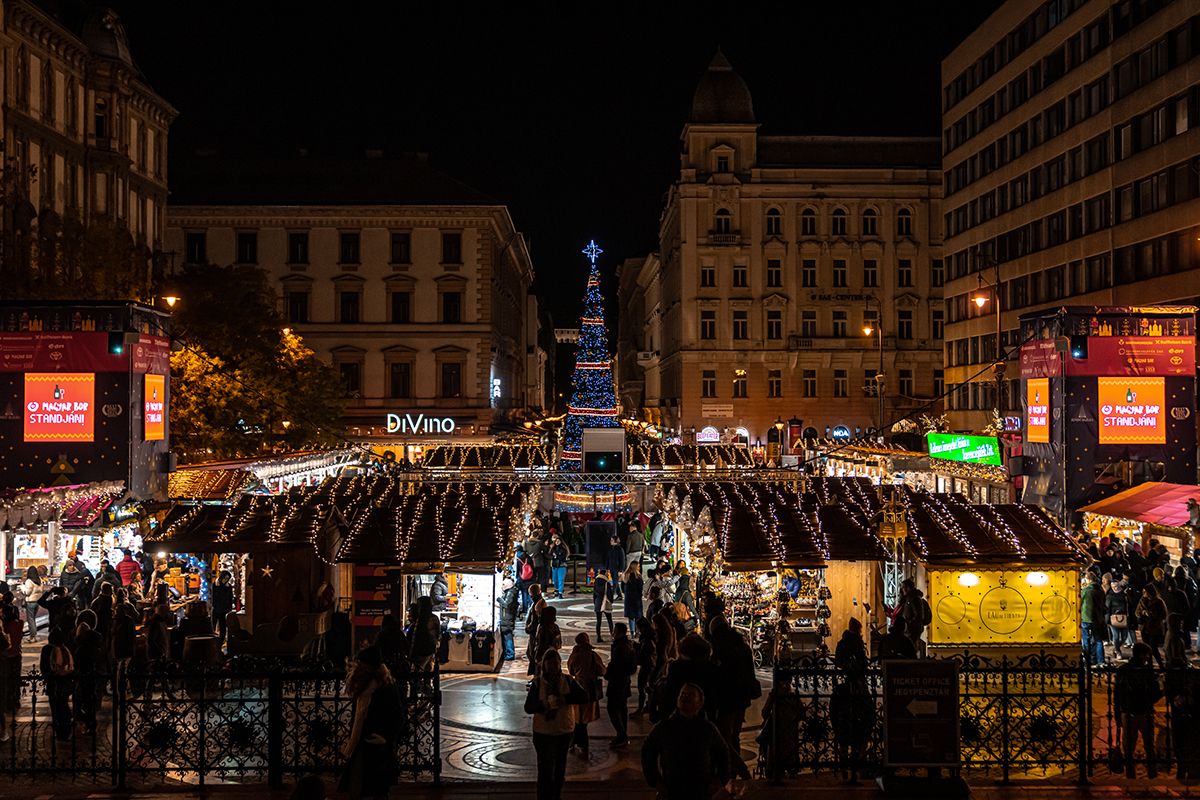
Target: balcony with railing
[{"x": 724, "y": 238}]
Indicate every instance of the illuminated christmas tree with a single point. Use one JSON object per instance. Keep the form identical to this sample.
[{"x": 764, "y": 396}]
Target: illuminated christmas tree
[{"x": 594, "y": 398}]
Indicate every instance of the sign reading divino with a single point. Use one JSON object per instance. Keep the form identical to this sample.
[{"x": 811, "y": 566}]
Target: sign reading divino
[
  {"x": 1037, "y": 410},
  {"x": 961, "y": 447},
  {"x": 60, "y": 407},
  {"x": 1131, "y": 410},
  {"x": 154, "y": 424}
]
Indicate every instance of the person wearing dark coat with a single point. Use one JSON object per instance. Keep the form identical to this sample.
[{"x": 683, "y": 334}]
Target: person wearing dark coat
[
  {"x": 647, "y": 659},
  {"x": 392, "y": 644},
  {"x": 509, "y": 600},
  {"x": 622, "y": 664},
  {"x": 684, "y": 757},
  {"x": 425, "y": 636},
  {"x": 439, "y": 593},
  {"x": 739, "y": 686},
  {"x": 222, "y": 603},
  {"x": 633, "y": 593},
  {"x": 694, "y": 665},
  {"x": 89, "y": 657},
  {"x": 602, "y": 598},
  {"x": 56, "y": 604},
  {"x": 895, "y": 643},
  {"x": 614, "y": 562},
  {"x": 370, "y": 751},
  {"x": 851, "y": 707},
  {"x": 59, "y": 683}
]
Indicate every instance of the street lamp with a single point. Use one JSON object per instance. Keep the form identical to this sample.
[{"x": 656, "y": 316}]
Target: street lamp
[
  {"x": 877, "y": 329},
  {"x": 982, "y": 296}
]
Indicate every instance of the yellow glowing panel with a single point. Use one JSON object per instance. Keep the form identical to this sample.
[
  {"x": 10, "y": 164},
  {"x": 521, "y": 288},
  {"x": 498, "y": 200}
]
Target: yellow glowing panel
[{"x": 1004, "y": 607}]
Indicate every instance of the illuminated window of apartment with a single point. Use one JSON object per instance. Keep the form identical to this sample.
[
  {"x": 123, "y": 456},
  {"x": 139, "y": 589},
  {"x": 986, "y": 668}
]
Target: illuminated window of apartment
[{"x": 739, "y": 383}]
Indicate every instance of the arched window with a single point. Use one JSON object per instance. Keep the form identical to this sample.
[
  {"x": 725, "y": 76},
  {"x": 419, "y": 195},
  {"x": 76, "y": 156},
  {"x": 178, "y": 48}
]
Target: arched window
[
  {"x": 808, "y": 222},
  {"x": 774, "y": 222},
  {"x": 904, "y": 222},
  {"x": 723, "y": 222},
  {"x": 22, "y": 78},
  {"x": 870, "y": 222},
  {"x": 839, "y": 222},
  {"x": 48, "y": 93},
  {"x": 69, "y": 104}
]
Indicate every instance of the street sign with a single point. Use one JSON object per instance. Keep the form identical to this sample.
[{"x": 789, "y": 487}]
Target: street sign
[{"x": 920, "y": 713}]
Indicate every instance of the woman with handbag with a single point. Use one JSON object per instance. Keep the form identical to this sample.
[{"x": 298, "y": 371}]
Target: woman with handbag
[
  {"x": 587, "y": 668},
  {"x": 551, "y": 699},
  {"x": 602, "y": 597},
  {"x": 1116, "y": 605}
]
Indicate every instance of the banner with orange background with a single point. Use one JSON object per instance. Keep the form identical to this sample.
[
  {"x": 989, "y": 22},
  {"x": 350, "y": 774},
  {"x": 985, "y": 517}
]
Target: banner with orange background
[
  {"x": 1037, "y": 410},
  {"x": 60, "y": 407},
  {"x": 1131, "y": 410},
  {"x": 154, "y": 423}
]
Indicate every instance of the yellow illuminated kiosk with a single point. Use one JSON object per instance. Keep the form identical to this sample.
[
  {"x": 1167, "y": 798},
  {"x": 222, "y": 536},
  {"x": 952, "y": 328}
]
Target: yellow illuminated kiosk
[{"x": 1019, "y": 607}]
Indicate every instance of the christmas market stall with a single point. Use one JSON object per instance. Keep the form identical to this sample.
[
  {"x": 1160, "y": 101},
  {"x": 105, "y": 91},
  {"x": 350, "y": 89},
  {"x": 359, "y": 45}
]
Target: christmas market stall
[
  {"x": 1148, "y": 511},
  {"x": 882, "y": 464},
  {"x": 42, "y": 527},
  {"x": 995, "y": 576}
]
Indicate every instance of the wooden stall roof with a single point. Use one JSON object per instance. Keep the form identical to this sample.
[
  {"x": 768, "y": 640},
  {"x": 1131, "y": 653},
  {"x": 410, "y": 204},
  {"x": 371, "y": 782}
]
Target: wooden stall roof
[
  {"x": 948, "y": 529},
  {"x": 1154, "y": 503},
  {"x": 209, "y": 484},
  {"x": 654, "y": 455},
  {"x": 488, "y": 456}
]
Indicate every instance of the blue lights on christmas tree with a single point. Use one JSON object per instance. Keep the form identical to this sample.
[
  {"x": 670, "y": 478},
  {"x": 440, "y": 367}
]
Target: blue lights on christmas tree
[{"x": 594, "y": 399}]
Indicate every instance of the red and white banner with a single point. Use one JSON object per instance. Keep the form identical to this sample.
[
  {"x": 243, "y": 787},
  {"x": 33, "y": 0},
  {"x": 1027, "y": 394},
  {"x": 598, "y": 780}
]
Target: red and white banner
[
  {"x": 81, "y": 351},
  {"x": 60, "y": 407}
]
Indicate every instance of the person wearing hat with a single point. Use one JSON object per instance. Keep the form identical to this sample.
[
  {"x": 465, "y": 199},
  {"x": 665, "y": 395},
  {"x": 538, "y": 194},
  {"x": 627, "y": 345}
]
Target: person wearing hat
[{"x": 370, "y": 751}]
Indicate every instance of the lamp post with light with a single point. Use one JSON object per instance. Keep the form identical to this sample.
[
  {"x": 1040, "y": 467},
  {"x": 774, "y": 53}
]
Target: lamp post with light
[
  {"x": 983, "y": 294},
  {"x": 877, "y": 329}
]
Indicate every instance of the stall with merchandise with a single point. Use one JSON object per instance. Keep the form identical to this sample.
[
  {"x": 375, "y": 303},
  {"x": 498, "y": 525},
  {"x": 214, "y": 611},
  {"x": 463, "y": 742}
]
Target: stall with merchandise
[
  {"x": 1148, "y": 511},
  {"x": 40, "y": 527}
]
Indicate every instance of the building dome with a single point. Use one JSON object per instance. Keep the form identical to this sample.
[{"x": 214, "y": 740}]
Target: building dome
[
  {"x": 721, "y": 95},
  {"x": 105, "y": 36}
]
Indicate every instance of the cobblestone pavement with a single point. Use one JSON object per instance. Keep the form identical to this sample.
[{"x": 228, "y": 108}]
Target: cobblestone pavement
[{"x": 486, "y": 732}]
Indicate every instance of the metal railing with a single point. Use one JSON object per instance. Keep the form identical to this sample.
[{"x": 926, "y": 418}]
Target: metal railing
[{"x": 256, "y": 723}]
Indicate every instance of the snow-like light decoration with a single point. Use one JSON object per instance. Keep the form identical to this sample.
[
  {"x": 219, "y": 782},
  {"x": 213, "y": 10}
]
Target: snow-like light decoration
[{"x": 945, "y": 520}]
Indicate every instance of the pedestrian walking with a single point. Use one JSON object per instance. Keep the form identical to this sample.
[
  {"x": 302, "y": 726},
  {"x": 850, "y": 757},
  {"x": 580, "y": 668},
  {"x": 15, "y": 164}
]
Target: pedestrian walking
[
  {"x": 622, "y": 665},
  {"x": 523, "y": 570},
  {"x": 633, "y": 593},
  {"x": 917, "y": 614},
  {"x": 533, "y": 623},
  {"x": 58, "y": 669},
  {"x": 129, "y": 569},
  {"x": 560, "y": 554},
  {"x": 551, "y": 700},
  {"x": 370, "y": 751},
  {"x": 89, "y": 658},
  {"x": 33, "y": 587},
  {"x": 614, "y": 563},
  {"x": 1135, "y": 692},
  {"x": 1152, "y": 621},
  {"x": 647, "y": 652},
  {"x": 739, "y": 685},
  {"x": 587, "y": 668},
  {"x": 425, "y": 636},
  {"x": 694, "y": 666},
  {"x": 1092, "y": 610},
  {"x": 656, "y": 602},
  {"x": 509, "y": 601},
  {"x": 684, "y": 757},
  {"x": 222, "y": 604},
  {"x": 1116, "y": 605},
  {"x": 602, "y": 600}
]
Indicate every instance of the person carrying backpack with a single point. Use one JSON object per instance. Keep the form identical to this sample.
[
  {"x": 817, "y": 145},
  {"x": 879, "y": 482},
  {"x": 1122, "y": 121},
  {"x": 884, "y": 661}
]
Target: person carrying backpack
[
  {"x": 916, "y": 613},
  {"x": 58, "y": 669},
  {"x": 523, "y": 570}
]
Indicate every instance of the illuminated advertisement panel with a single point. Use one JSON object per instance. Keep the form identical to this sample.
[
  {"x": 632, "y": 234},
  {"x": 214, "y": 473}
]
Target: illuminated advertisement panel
[
  {"x": 60, "y": 407},
  {"x": 1131, "y": 410},
  {"x": 992, "y": 607},
  {"x": 961, "y": 447},
  {"x": 1037, "y": 413},
  {"x": 154, "y": 424}
]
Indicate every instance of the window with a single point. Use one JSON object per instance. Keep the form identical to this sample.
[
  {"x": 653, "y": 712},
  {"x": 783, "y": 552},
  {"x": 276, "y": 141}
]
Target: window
[
  {"x": 452, "y": 307},
  {"x": 774, "y": 383},
  {"x": 904, "y": 222},
  {"x": 247, "y": 247},
  {"x": 839, "y": 273},
  {"x": 298, "y": 248},
  {"x": 808, "y": 273},
  {"x": 937, "y": 323},
  {"x": 839, "y": 222},
  {"x": 708, "y": 276},
  {"x": 739, "y": 383},
  {"x": 937, "y": 272},
  {"x": 48, "y": 96},
  {"x": 741, "y": 324},
  {"x": 904, "y": 327},
  {"x": 100, "y": 120},
  {"x": 722, "y": 163},
  {"x": 400, "y": 379},
  {"x": 808, "y": 383},
  {"x": 808, "y": 324},
  {"x": 451, "y": 379},
  {"x": 841, "y": 383},
  {"x": 774, "y": 273},
  {"x": 70, "y": 101},
  {"x": 297, "y": 306},
  {"x": 906, "y": 383},
  {"x": 708, "y": 383},
  {"x": 870, "y": 223},
  {"x": 708, "y": 324},
  {"x": 401, "y": 250},
  {"x": 774, "y": 222},
  {"x": 840, "y": 319},
  {"x": 870, "y": 273},
  {"x": 452, "y": 250},
  {"x": 774, "y": 324},
  {"x": 808, "y": 222},
  {"x": 870, "y": 320},
  {"x": 741, "y": 278},
  {"x": 939, "y": 383},
  {"x": 349, "y": 301},
  {"x": 904, "y": 272},
  {"x": 351, "y": 374},
  {"x": 401, "y": 307},
  {"x": 722, "y": 222},
  {"x": 196, "y": 247}
]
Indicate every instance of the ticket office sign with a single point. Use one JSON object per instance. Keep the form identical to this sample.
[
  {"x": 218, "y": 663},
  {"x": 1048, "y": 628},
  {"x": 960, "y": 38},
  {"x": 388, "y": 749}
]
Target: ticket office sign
[{"x": 60, "y": 407}]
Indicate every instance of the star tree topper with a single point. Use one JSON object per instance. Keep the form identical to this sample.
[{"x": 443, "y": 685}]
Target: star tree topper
[{"x": 592, "y": 251}]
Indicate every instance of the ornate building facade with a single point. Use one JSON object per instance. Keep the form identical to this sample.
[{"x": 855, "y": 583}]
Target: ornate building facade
[
  {"x": 414, "y": 286},
  {"x": 774, "y": 253}
]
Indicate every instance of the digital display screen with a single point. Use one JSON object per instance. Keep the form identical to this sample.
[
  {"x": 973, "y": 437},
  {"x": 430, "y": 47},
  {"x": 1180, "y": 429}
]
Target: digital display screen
[
  {"x": 1037, "y": 410},
  {"x": 962, "y": 447},
  {"x": 154, "y": 423},
  {"x": 1131, "y": 410},
  {"x": 60, "y": 406}
]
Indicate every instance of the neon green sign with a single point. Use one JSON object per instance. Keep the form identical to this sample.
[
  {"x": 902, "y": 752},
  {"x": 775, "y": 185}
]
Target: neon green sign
[{"x": 963, "y": 447}]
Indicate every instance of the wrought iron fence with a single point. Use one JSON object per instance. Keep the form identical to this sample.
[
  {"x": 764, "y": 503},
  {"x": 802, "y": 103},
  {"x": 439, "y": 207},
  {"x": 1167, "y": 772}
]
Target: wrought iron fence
[
  {"x": 1038, "y": 714},
  {"x": 250, "y": 724}
]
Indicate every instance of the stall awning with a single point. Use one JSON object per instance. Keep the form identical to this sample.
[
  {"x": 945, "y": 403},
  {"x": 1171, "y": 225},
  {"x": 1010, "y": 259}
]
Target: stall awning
[
  {"x": 1163, "y": 504},
  {"x": 653, "y": 455},
  {"x": 209, "y": 484},
  {"x": 488, "y": 456}
]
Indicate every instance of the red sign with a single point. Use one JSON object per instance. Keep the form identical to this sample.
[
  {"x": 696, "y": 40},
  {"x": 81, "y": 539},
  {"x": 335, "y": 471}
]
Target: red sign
[
  {"x": 1131, "y": 411},
  {"x": 1137, "y": 355},
  {"x": 154, "y": 425},
  {"x": 60, "y": 407},
  {"x": 80, "y": 351},
  {"x": 1039, "y": 359}
]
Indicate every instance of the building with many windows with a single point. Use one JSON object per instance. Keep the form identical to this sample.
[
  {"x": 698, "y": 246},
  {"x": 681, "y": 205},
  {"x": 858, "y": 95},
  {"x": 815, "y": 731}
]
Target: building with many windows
[
  {"x": 85, "y": 136},
  {"x": 775, "y": 252},
  {"x": 1071, "y": 174},
  {"x": 416, "y": 287}
]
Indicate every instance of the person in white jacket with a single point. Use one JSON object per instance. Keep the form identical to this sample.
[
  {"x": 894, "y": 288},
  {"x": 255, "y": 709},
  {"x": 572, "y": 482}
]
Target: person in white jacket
[{"x": 33, "y": 587}]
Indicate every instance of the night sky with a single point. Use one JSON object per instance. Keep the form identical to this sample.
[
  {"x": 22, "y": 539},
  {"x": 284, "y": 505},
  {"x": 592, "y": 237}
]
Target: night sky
[{"x": 570, "y": 112}]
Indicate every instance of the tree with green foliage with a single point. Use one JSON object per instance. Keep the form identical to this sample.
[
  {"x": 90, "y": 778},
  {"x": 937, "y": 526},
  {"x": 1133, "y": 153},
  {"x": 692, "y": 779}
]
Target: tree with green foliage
[{"x": 243, "y": 383}]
